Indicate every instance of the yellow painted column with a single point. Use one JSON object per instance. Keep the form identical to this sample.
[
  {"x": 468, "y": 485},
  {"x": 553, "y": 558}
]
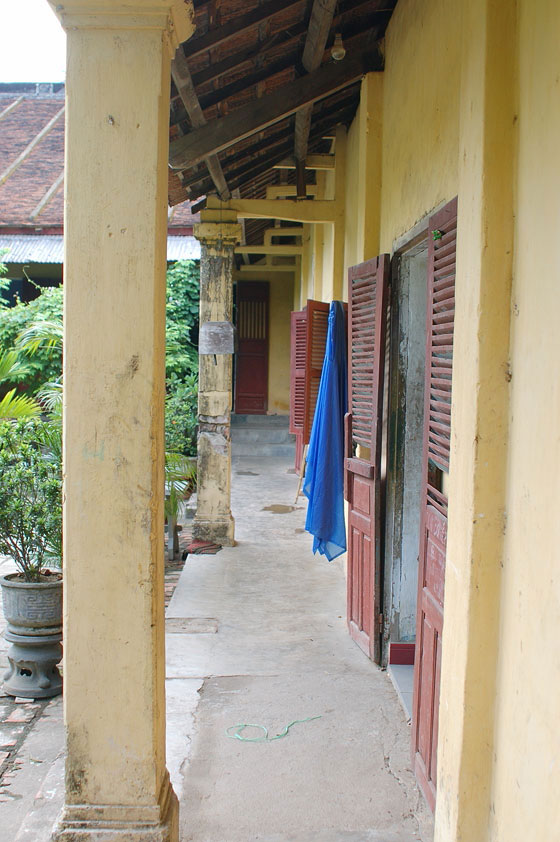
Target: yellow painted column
[
  {"x": 214, "y": 521},
  {"x": 117, "y": 94},
  {"x": 479, "y": 423}
]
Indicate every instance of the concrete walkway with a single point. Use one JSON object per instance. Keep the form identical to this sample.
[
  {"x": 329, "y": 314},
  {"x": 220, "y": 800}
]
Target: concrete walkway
[
  {"x": 258, "y": 635},
  {"x": 255, "y": 634}
]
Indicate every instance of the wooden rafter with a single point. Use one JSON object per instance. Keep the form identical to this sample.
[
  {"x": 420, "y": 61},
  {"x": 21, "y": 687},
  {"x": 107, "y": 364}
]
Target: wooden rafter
[
  {"x": 237, "y": 60},
  {"x": 251, "y": 165},
  {"x": 262, "y": 74},
  {"x": 236, "y": 26},
  {"x": 261, "y": 113},
  {"x": 183, "y": 82},
  {"x": 320, "y": 22}
]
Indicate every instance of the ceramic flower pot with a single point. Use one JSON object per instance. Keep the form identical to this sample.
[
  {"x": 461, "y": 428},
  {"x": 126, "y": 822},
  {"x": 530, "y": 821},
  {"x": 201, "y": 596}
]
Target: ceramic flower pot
[{"x": 33, "y": 612}]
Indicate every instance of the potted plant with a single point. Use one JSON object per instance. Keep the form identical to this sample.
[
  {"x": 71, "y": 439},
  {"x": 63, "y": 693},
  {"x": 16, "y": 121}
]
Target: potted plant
[{"x": 31, "y": 533}]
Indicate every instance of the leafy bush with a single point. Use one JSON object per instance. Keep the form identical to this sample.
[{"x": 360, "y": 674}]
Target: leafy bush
[
  {"x": 181, "y": 311},
  {"x": 30, "y": 496},
  {"x": 181, "y": 357},
  {"x": 181, "y": 415},
  {"x": 45, "y": 363}
]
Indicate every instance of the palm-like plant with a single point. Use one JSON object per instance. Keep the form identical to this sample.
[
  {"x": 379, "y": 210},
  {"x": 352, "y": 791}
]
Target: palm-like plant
[
  {"x": 43, "y": 333},
  {"x": 13, "y": 406}
]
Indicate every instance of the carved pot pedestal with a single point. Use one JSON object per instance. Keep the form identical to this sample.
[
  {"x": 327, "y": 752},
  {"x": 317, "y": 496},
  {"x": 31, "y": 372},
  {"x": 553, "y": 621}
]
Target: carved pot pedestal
[{"x": 33, "y": 612}]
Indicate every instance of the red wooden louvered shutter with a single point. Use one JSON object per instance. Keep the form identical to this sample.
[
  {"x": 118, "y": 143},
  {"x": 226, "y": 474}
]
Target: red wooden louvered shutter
[
  {"x": 317, "y": 326},
  {"x": 439, "y": 340},
  {"x": 367, "y": 312},
  {"x": 298, "y": 340},
  {"x": 442, "y": 232},
  {"x": 367, "y": 297}
]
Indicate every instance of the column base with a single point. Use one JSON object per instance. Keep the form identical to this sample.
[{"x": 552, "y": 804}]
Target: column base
[
  {"x": 218, "y": 530},
  {"x": 120, "y": 823}
]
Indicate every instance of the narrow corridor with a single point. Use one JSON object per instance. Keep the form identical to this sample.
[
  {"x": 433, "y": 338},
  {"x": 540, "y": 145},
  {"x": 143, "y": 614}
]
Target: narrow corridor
[{"x": 257, "y": 634}]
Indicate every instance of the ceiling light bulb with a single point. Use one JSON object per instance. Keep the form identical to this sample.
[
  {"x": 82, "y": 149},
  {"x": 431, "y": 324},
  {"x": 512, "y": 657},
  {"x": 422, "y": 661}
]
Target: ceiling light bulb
[{"x": 337, "y": 50}]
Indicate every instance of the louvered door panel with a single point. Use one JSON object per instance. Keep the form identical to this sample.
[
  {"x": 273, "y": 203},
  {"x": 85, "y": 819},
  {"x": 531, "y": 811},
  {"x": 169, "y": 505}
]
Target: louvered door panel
[
  {"x": 442, "y": 229},
  {"x": 297, "y": 370},
  {"x": 317, "y": 326},
  {"x": 367, "y": 298},
  {"x": 367, "y": 310},
  {"x": 441, "y": 263}
]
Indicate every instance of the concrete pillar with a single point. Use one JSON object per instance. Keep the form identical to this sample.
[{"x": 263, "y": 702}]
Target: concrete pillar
[
  {"x": 479, "y": 423},
  {"x": 214, "y": 521},
  {"x": 117, "y": 92}
]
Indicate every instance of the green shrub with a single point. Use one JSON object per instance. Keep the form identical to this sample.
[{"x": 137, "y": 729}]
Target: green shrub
[
  {"x": 181, "y": 415},
  {"x": 30, "y": 496},
  {"x": 181, "y": 317},
  {"x": 45, "y": 363}
]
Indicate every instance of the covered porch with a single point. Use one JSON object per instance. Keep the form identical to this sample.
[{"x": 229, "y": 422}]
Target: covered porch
[{"x": 373, "y": 151}]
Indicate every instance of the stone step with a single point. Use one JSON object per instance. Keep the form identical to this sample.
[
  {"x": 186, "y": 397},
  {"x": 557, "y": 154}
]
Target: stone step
[
  {"x": 260, "y": 421},
  {"x": 262, "y": 435},
  {"x": 260, "y": 450}
]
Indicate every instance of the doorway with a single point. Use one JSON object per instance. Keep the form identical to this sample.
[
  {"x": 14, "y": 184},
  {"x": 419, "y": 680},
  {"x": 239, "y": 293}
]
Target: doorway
[
  {"x": 251, "y": 361},
  {"x": 405, "y": 464}
]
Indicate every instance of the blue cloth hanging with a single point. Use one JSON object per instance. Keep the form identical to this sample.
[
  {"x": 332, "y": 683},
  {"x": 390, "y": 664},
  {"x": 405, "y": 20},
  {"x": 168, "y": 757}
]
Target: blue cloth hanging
[{"x": 324, "y": 474}]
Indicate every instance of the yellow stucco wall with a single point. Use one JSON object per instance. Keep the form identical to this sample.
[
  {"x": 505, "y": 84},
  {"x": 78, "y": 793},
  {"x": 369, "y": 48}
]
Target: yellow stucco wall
[
  {"x": 527, "y": 739},
  {"x": 420, "y": 113},
  {"x": 281, "y": 301},
  {"x": 402, "y": 146}
]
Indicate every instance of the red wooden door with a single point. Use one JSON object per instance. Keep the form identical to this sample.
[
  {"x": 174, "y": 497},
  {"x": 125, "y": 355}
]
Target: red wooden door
[
  {"x": 251, "y": 373},
  {"x": 433, "y": 533},
  {"x": 367, "y": 317}
]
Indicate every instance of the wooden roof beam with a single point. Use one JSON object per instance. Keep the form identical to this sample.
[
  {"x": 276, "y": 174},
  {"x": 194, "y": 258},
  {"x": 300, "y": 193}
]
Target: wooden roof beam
[
  {"x": 312, "y": 162},
  {"x": 237, "y": 60},
  {"x": 236, "y": 26},
  {"x": 251, "y": 167},
  {"x": 276, "y": 250},
  {"x": 320, "y": 23},
  {"x": 183, "y": 82},
  {"x": 285, "y": 191},
  {"x": 313, "y": 211},
  {"x": 270, "y": 233},
  {"x": 261, "y": 113}
]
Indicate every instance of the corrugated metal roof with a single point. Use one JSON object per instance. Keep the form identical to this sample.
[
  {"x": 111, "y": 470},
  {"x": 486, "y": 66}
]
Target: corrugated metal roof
[
  {"x": 183, "y": 248},
  {"x": 32, "y": 248}
]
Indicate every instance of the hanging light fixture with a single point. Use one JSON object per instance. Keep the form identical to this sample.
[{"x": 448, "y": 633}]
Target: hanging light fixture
[{"x": 337, "y": 50}]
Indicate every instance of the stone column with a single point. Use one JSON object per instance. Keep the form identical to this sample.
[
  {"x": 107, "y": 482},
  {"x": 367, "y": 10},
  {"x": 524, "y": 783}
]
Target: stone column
[
  {"x": 214, "y": 521},
  {"x": 117, "y": 93}
]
